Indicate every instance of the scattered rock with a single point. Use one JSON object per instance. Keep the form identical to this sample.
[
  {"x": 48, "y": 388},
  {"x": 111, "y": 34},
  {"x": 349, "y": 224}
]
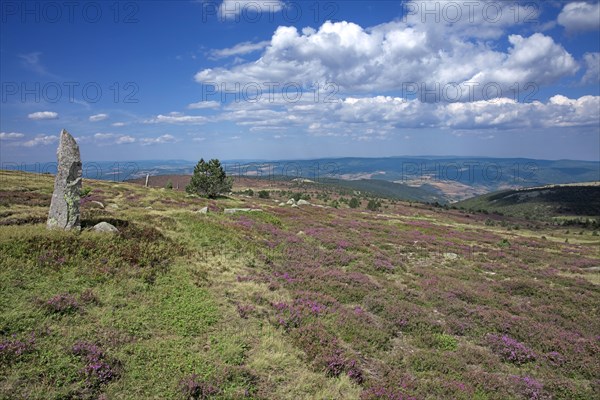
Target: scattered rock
[
  {"x": 300, "y": 233},
  {"x": 235, "y": 210},
  {"x": 302, "y": 202},
  {"x": 282, "y": 204},
  {"x": 64, "y": 207},
  {"x": 148, "y": 208},
  {"x": 450, "y": 256},
  {"x": 113, "y": 205},
  {"x": 105, "y": 227},
  {"x": 203, "y": 210},
  {"x": 291, "y": 202},
  {"x": 295, "y": 205}
]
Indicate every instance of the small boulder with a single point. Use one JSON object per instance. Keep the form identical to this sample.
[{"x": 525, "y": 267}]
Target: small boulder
[
  {"x": 105, "y": 227},
  {"x": 450, "y": 256},
  {"x": 291, "y": 202},
  {"x": 303, "y": 202},
  {"x": 236, "y": 210},
  {"x": 282, "y": 204},
  {"x": 203, "y": 210}
]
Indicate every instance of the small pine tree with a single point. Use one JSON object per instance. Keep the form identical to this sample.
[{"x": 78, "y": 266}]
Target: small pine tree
[
  {"x": 373, "y": 205},
  {"x": 354, "y": 203},
  {"x": 209, "y": 179}
]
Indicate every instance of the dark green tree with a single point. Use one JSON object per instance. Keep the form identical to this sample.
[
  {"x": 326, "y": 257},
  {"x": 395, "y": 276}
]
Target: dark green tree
[
  {"x": 209, "y": 179},
  {"x": 354, "y": 203},
  {"x": 373, "y": 205}
]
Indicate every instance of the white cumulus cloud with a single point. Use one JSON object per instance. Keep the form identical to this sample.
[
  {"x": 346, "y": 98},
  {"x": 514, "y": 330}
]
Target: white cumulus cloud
[
  {"x": 98, "y": 117},
  {"x": 177, "y": 118},
  {"x": 204, "y": 104},
  {"x": 592, "y": 73},
  {"x": 10, "y": 135},
  {"x": 40, "y": 140},
  {"x": 381, "y": 116},
  {"x": 41, "y": 115},
  {"x": 580, "y": 16},
  {"x": 159, "y": 140},
  {"x": 394, "y": 56},
  {"x": 107, "y": 139}
]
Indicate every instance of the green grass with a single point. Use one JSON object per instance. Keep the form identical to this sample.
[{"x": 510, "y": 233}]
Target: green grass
[{"x": 178, "y": 295}]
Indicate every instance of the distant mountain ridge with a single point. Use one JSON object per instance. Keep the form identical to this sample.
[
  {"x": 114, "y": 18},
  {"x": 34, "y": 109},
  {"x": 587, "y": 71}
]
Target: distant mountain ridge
[{"x": 442, "y": 179}]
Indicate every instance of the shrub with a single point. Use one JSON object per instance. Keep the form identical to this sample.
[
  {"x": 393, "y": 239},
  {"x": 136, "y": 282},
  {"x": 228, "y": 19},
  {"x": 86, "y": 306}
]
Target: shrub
[
  {"x": 63, "y": 303},
  {"x": 373, "y": 205},
  {"x": 98, "y": 369},
  {"x": 528, "y": 387},
  {"x": 85, "y": 191},
  {"x": 263, "y": 194},
  {"x": 244, "y": 310},
  {"x": 192, "y": 387},
  {"x": 510, "y": 350},
  {"x": 12, "y": 350},
  {"x": 354, "y": 203},
  {"x": 169, "y": 184},
  {"x": 445, "y": 342}
]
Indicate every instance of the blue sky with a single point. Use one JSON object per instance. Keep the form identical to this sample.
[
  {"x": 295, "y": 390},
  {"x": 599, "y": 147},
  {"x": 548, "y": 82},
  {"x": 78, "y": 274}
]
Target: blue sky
[{"x": 300, "y": 79}]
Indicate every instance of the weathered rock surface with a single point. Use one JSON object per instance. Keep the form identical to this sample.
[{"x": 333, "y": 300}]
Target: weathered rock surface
[
  {"x": 302, "y": 202},
  {"x": 291, "y": 202},
  {"x": 450, "y": 256},
  {"x": 203, "y": 210},
  {"x": 236, "y": 210},
  {"x": 64, "y": 207},
  {"x": 105, "y": 227}
]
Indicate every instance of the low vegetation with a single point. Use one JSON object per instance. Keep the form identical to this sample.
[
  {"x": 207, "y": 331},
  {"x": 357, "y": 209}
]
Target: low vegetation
[{"x": 409, "y": 302}]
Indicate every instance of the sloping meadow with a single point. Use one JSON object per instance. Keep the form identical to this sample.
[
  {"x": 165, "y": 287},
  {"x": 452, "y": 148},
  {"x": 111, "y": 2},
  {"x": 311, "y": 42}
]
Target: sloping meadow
[{"x": 301, "y": 302}]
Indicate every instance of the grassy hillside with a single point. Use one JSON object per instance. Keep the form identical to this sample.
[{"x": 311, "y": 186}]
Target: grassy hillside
[
  {"x": 378, "y": 187},
  {"x": 309, "y": 302},
  {"x": 558, "y": 201}
]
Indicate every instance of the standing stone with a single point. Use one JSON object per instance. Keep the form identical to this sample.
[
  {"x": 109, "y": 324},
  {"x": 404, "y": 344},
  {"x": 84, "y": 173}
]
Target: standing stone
[{"x": 64, "y": 208}]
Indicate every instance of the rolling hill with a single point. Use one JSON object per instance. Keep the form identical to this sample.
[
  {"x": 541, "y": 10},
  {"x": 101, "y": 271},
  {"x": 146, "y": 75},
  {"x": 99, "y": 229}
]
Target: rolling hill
[
  {"x": 406, "y": 302},
  {"x": 579, "y": 201}
]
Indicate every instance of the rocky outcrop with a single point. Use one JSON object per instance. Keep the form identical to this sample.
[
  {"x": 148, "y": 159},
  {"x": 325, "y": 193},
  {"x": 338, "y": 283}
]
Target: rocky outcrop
[{"x": 64, "y": 207}]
